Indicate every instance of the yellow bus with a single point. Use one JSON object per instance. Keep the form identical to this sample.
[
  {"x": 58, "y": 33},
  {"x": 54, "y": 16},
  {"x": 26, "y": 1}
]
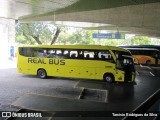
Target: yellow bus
[{"x": 108, "y": 63}]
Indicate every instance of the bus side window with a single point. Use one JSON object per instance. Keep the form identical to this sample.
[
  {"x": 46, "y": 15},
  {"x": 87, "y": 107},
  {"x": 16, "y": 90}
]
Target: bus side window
[
  {"x": 45, "y": 53},
  {"x": 30, "y": 52},
  {"x": 41, "y": 53},
  {"x": 89, "y": 54},
  {"x": 96, "y": 55},
  {"x": 22, "y": 51},
  {"x": 80, "y": 54},
  {"x": 109, "y": 57},
  {"x": 66, "y": 53},
  {"x": 73, "y": 54},
  {"x": 58, "y": 53},
  {"x": 51, "y": 53},
  {"x": 105, "y": 55}
]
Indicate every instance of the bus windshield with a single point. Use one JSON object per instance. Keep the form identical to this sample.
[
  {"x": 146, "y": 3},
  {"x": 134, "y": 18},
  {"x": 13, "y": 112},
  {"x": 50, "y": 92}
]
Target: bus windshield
[
  {"x": 120, "y": 54},
  {"x": 124, "y": 62}
]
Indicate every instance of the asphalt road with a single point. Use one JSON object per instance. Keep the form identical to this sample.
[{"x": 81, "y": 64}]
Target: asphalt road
[{"x": 120, "y": 97}]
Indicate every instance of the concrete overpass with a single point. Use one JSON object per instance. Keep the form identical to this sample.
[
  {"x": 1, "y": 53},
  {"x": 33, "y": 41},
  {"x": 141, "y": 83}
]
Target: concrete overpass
[{"x": 129, "y": 16}]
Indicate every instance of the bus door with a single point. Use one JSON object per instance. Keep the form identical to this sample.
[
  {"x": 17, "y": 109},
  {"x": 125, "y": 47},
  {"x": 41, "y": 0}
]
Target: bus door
[{"x": 127, "y": 65}]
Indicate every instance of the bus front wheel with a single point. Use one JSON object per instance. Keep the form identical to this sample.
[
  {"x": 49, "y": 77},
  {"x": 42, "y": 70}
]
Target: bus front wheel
[
  {"x": 42, "y": 73},
  {"x": 108, "y": 78}
]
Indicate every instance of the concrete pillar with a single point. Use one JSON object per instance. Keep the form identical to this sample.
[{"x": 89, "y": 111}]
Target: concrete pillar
[{"x": 7, "y": 37}]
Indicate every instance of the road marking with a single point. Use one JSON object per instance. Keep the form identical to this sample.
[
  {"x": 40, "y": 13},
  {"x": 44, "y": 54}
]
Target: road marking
[
  {"x": 137, "y": 72},
  {"x": 51, "y": 117},
  {"x": 149, "y": 67},
  {"x": 151, "y": 73},
  {"x": 145, "y": 67},
  {"x": 158, "y": 68},
  {"x": 106, "y": 98}
]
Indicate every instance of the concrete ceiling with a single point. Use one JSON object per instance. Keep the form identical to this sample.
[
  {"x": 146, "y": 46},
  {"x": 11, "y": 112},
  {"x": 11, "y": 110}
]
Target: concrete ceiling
[{"x": 130, "y": 16}]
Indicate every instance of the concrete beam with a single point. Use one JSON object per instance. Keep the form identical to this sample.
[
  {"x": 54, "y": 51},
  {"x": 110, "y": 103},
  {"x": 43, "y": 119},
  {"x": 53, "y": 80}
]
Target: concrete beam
[{"x": 143, "y": 18}]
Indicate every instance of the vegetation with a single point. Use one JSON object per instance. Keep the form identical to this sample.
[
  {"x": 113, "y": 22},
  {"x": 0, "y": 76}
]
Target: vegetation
[
  {"x": 43, "y": 33},
  {"x": 40, "y": 33},
  {"x": 141, "y": 40}
]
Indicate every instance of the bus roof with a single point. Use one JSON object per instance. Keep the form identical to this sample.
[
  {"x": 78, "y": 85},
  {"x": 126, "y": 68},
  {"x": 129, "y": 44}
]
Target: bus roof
[
  {"x": 141, "y": 49},
  {"x": 140, "y": 46},
  {"x": 77, "y": 47}
]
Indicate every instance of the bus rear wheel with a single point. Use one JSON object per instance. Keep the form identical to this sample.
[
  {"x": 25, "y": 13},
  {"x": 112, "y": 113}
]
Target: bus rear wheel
[
  {"x": 148, "y": 62},
  {"x": 108, "y": 78},
  {"x": 42, "y": 73}
]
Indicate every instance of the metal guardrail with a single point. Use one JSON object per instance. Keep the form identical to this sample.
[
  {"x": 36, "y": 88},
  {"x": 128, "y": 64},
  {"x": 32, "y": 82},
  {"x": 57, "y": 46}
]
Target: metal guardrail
[{"x": 142, "y": 108}]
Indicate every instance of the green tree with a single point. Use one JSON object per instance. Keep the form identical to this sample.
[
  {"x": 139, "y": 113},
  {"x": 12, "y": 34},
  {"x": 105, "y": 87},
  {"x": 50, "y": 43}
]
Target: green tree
[
  {"x": 78, "y": 36},
  {"x": 158, "y": 41},
  {"x": 41, "y": 33},
  {"x": 72, "y": 37},
  {"x": 64, "y": 38},
  {"x": 89, "y": 37},
  {"x": 141, "y": 40},
  {"x": 114, "y": 42}
]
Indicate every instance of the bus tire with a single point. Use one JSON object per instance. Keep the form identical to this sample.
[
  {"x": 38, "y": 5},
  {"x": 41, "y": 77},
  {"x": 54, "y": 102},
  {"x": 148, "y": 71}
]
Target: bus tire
[
  {"x": 41, "y": 73},
  {"x": 148, "y": 62},
  {"x": 108, "y": 77}
]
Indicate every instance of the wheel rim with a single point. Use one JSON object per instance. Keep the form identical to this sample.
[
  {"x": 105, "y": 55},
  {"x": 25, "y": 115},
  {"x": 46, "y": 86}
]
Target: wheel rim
[
  {"x": 108, "y": 79},
  {"x": 41, "y": 73}
]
